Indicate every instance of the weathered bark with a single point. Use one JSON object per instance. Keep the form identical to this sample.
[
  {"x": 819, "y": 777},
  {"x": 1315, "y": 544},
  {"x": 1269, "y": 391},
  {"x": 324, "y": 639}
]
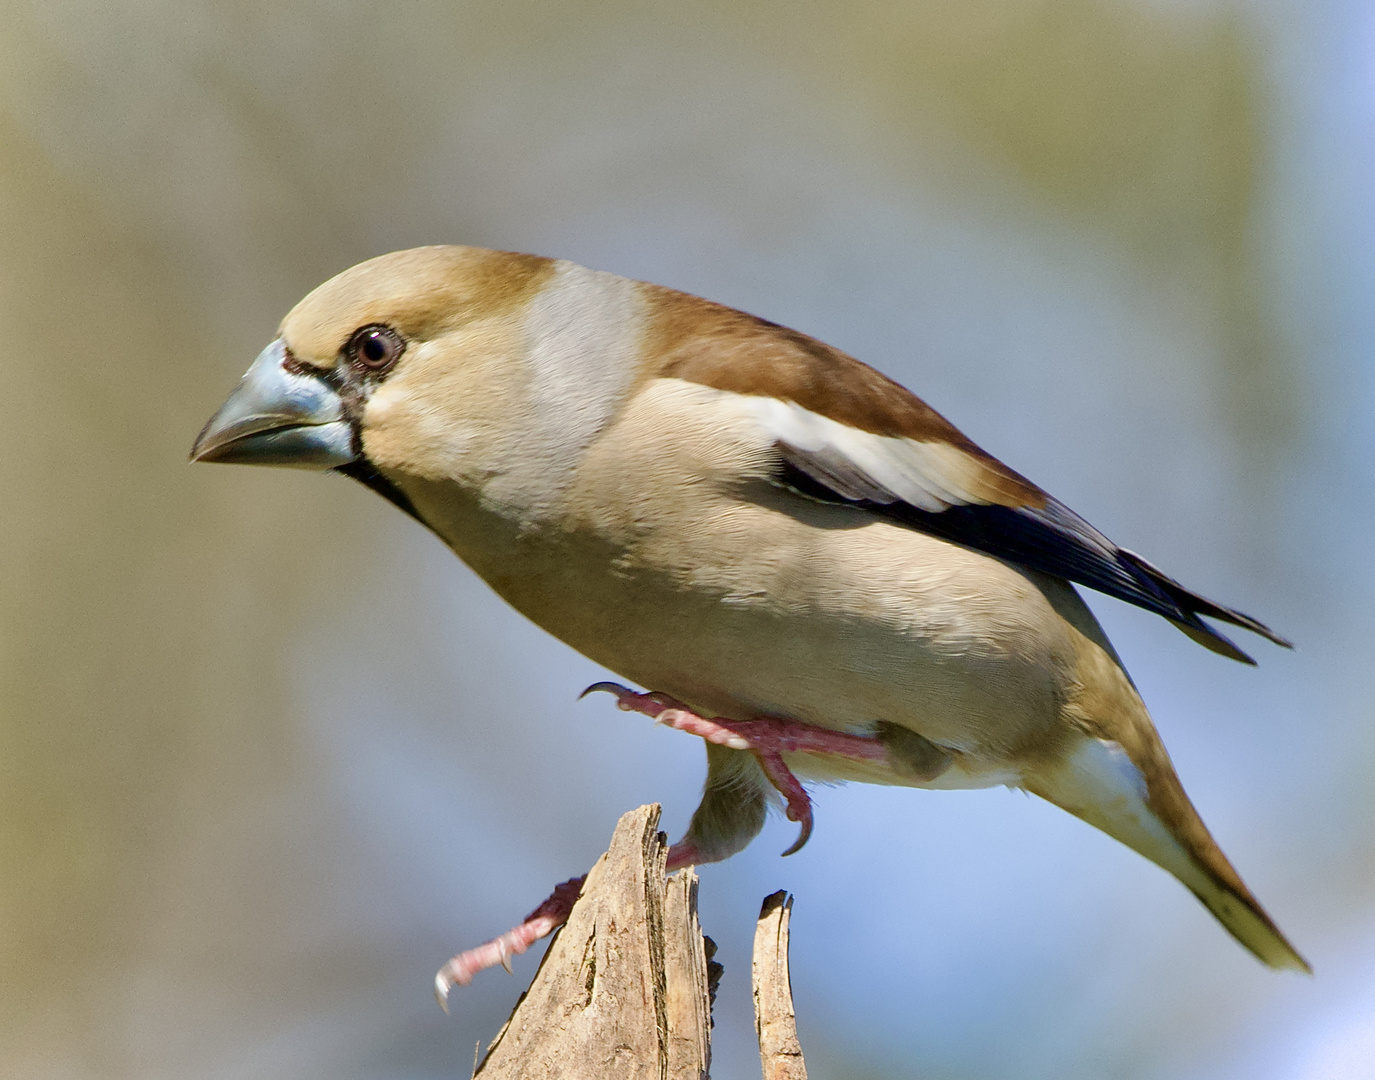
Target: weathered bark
[
  {"x": 617, "y": 996},
  {"x": 779, "y": 1051},
  {"x": 624, "y": 991},
  {"x": 686, "y": 978}
]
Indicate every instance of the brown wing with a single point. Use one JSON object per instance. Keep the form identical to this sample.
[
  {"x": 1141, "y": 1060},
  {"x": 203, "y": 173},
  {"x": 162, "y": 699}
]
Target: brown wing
[{"x": 847, "y": 434}]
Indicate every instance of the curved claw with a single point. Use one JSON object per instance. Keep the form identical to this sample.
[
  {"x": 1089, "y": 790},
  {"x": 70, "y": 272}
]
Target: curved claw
[
  {"x": 607, "y": 686},
  {"x": 790, "y": 787},
  {"x": 628, "y": 700},
  {"x": 804, "y": 835},
  {"x": 766, "y": 739}
]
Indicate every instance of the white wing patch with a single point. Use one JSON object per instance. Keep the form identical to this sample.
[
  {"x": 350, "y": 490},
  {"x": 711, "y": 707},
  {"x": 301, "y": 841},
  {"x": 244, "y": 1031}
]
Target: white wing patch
[{"x": 861, "y": 465}]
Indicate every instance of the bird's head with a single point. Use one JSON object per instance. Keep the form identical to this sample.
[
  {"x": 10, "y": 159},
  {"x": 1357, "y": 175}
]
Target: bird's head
[{"x": 363, "y": 364}]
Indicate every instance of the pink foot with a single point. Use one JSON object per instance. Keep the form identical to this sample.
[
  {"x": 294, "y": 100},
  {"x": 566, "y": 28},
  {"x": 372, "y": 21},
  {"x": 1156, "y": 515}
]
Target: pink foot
[
  {"x": 768, "y": 739},
  {"x": 541, "y": 922},
  {"x": 685, "y": 853},
  {"x": 544, "y": 920}
]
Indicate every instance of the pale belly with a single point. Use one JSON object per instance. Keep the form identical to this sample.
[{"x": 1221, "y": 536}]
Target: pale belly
[{"x": 839, "y": 628}]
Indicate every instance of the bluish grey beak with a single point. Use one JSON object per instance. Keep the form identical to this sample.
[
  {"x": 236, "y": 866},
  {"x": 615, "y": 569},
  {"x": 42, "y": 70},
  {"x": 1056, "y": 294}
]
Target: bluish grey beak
[{"x": 277, "y": 417}]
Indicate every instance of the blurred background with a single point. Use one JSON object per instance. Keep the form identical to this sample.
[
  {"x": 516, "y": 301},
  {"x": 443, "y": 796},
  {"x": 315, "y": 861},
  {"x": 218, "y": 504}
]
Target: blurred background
[{"x": 251, "y": 798}]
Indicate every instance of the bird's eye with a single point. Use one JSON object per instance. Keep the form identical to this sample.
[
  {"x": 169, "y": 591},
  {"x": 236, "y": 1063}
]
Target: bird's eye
[{"x": 375, "y": 348}]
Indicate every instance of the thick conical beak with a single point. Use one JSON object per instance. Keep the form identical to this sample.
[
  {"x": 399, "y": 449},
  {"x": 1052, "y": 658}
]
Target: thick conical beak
[{"x": 278, "y": 417}]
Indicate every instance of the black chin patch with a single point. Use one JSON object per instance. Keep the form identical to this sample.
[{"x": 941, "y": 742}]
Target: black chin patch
[{"x": 362, "y": 470}]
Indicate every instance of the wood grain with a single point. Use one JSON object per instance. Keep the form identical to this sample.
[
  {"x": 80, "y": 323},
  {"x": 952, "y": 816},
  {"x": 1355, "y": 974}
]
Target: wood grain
[
  {"x": 780, "y": 1053},
  {"x": 615, "y": 996}
]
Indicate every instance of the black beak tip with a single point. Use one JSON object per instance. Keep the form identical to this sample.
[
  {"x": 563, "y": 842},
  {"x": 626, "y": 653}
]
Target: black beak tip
[{"x": 202, "y": 449}]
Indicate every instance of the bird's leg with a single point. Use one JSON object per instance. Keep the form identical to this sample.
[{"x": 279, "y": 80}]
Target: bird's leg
[
  {"x": 767, "y": 739},
  {"x": 732, "y": 811},
  {"x": 541, "y": 922}
]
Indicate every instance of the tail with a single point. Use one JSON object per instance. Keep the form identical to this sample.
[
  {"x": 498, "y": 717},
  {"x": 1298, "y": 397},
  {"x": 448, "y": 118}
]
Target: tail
[
  {"x": 1188, "y": 606},
  {"x": 1137, "y": 798}
]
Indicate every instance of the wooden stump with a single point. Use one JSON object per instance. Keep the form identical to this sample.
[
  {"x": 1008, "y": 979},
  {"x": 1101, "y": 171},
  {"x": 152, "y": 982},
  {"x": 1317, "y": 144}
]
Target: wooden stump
[
  {"x": 779, "y": 1051},
  {"x": 624, "y": 989}
]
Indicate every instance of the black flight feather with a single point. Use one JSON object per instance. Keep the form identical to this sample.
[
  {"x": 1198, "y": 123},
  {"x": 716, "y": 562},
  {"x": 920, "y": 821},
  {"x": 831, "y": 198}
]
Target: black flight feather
[{"x": 1052, "y": 539}]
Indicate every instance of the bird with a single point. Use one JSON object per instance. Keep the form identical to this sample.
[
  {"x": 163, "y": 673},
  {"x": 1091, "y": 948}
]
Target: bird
[{"x": 798, "y": 559}]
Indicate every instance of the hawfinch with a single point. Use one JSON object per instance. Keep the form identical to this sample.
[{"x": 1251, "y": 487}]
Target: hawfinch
[{"x": 796, "y": 558}]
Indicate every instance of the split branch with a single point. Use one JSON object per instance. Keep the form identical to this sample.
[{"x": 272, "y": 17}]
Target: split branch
[{"x": 624, "y": 991}]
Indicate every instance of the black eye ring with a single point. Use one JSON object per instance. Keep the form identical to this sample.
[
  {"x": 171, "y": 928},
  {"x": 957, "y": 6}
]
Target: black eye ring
[{"x": 375, "y": 348}]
